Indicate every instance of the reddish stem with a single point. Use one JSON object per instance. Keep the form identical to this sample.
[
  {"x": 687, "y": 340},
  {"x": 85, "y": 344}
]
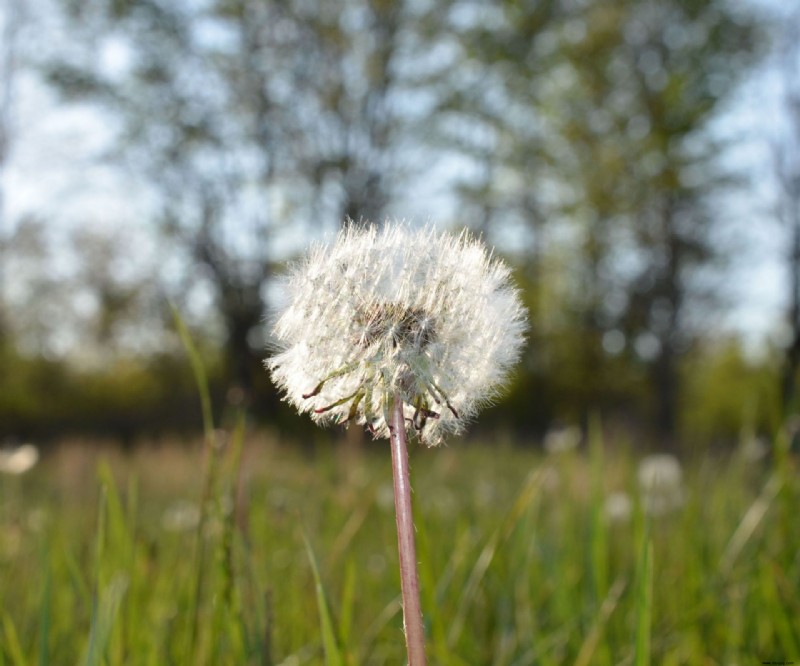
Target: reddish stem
[{"x": 409, "y": 581}]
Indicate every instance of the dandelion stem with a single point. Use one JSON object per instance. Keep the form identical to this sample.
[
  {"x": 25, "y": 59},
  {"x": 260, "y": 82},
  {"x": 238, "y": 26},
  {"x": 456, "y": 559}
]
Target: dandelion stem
[{"x": 409, "y": 580}]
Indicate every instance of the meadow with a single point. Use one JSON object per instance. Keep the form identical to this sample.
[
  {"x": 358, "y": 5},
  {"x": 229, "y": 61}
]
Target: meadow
[{"x": 253, "y": 550}]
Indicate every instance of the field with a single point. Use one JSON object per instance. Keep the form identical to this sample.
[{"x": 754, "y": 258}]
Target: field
[{"x": 264, "y": 552}]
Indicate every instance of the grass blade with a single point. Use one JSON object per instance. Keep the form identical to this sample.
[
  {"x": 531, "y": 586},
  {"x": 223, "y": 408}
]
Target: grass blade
[
  {"x": 333, "y": 655},
  {"x": 44, "y": 619},
  {"x": 211, "y": 473},
  {"x": 644, "y": 602},
  {"x": 599, "y": 535},
  {"x": 104, "y": 620},
  {"x": 199, "y": 370},
  {"x": 589, "y": 646},
  {"x": 119, "y": 542},
  {"x": 347, "y": 606},
  {"x": 484, "y": 561},
  {"x": 12, "y": 644},
  {"x": 749, "y": 523}
]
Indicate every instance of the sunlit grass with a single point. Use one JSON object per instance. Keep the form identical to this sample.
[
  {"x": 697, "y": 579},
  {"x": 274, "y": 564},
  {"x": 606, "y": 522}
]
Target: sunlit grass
[{"x": 519, "y": 563}]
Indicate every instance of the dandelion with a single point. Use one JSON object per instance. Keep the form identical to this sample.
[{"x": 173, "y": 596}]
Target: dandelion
[
  {"x": 182, "y": 516},
  {"x": 398, "y": 330},
  {"x": 19, "y": 460},
  {"x": 753, "y": 449},
  {"x": 618, "y": 507},
  {"x": 562, "y": 440},
  {"x": 418, "y": 313},
  {"x": 661, "y": 482}
]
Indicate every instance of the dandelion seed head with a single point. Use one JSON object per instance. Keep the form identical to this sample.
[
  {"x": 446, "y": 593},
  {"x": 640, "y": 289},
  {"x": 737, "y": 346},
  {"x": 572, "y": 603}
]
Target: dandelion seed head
[
  {"x": 182, "y": 516},
  {"x": 19, "y": 460},
  {"x": 618, "y": 507},
  {"x": 754, "y": 449},
  {"x": 660, "y": 471},
  {"x": 661, "y": 482},
  {"x": 422, "y": 313},
  {"x": 562, "y": 440}
]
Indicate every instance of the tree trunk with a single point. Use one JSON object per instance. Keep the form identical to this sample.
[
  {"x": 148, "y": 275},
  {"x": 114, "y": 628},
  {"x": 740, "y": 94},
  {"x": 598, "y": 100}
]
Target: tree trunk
[
  {"x": 666, "y": 390},
  {"x": 665, "y": 371}
]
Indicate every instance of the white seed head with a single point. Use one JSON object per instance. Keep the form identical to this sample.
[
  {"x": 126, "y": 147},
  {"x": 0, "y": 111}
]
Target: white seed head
[
  {"x": 660, "y": 471},
  {"x": 431, "y": 317},
  {"x": 562, "y": 440},
  {"x": 20, "y": 460},
  {"x": 661, "y": 482},
  {"x": 618, "y": 507}
]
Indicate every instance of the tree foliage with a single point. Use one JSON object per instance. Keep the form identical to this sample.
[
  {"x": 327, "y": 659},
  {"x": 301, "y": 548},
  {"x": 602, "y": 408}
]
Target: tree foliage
[
  {"x": 604, "y": 145},
  {"x": 241, "y": 115},
  {"x": 577, "y": 137},
  {"x": 787, "y": 168}
]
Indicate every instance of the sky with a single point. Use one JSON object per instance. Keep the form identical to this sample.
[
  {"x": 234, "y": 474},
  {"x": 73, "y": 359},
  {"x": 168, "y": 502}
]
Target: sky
[
  {"x": 759, "y": 281},
  {"x": 55, "y": 172},
  {"x": 754, "y": 122}
]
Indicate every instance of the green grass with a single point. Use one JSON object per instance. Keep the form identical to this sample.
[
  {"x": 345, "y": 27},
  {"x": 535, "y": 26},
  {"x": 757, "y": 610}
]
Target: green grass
[{"x": 293, "y": 560}]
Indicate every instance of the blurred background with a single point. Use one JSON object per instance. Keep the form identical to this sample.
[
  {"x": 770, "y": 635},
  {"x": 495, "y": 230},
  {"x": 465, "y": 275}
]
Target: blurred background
[{"x": 636, "y": 161}]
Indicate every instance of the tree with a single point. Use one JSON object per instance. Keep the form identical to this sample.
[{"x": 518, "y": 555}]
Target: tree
[
  {"x": 649, "y": 78},
  {"x": 494, "y": 116},
  {"x": 241, "y": 115},
  {"x": 589, "y": 128},
  {"x": 12, "y": 19},
  {"x": 787, "y": 167}
]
